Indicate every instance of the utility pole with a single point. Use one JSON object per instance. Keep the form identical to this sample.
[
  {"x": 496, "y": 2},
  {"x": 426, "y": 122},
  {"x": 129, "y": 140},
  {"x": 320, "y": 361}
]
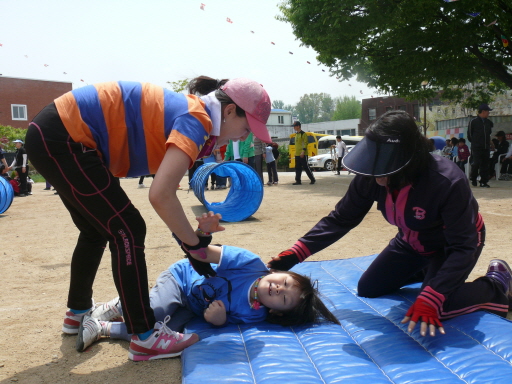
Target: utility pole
[{"x": 424, "y": 85}]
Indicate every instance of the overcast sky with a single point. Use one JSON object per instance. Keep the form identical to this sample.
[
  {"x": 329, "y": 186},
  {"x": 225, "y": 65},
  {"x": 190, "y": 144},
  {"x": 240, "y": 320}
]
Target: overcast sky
[{"x": 159, "y": 41}]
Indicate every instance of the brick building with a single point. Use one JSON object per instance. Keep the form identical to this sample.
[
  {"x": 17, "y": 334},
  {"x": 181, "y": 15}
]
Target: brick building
[
  {"x": 375, "y": 107},
  {"x": 22, "y": 99}
]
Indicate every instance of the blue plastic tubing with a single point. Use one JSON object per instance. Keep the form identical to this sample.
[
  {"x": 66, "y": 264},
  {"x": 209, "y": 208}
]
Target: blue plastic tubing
[
  {"x": 244, "y": 196},
  {"x": 6, "y": 195}
]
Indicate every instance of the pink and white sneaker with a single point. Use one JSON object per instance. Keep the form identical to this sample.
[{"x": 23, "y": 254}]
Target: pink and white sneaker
[
  {"x": 72, "y": 321},
  {"x": 162, "y": 343}
]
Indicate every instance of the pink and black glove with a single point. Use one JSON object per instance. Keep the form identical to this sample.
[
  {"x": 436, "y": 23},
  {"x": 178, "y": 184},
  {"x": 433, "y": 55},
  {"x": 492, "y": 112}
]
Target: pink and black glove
[
  {"x": 287, "y": 259},
  {"x": 201, "y": 267},
  {"x": 427, "y": 307}
]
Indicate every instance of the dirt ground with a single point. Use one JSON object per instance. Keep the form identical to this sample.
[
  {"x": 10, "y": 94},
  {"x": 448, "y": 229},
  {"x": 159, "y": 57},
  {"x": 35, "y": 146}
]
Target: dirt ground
[{"x": 38, "y": 236}]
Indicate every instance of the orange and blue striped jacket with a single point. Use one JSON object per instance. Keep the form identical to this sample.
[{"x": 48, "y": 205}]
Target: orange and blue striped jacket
[{"x": 132, "y": 124}]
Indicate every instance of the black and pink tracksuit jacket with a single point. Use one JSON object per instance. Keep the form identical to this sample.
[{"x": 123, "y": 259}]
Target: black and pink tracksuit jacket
[{"x": 437, "y": 213}]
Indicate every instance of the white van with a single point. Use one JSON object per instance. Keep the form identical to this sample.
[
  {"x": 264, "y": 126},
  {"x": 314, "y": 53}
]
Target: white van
[{"x": 326, "y": 158}]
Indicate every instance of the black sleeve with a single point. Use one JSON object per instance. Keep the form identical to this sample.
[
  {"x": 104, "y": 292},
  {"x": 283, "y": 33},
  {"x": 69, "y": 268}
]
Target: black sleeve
[
  {"x": 347, "y": 214},
  {"x": 460, "y": 214}
]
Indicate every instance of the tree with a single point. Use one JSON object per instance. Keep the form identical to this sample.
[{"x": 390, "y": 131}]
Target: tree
[
  {"x": 179, "y": 85},
  {"x": 394, "y": 45},
  {"x": 290, "y": 108},
  {"x": 278, "y": 104},
  {"x": 314, "y": 108},
  {"x": 347, "y": 108}
]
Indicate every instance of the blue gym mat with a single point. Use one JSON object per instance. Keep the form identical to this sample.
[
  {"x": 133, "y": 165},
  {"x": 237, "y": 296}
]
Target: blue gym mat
[{"x": 370, "y": 346}]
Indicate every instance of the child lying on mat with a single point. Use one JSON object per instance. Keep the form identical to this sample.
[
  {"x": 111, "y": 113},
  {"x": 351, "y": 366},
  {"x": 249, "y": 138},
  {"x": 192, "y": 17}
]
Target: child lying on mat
[{"x": 240, "y": 289}]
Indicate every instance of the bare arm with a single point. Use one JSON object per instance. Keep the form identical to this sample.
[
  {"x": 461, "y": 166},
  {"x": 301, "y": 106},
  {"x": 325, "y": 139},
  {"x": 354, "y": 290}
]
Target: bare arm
[{"x": 163, "y": 198}]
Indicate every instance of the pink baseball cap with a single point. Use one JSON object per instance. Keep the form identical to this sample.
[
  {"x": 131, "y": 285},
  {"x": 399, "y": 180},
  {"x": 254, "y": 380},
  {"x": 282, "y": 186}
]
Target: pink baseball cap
[{"x": 253, "y": 99}]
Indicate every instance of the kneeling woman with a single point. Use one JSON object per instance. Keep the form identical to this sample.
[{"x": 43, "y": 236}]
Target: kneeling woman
[{"x": 440, "y": 232}]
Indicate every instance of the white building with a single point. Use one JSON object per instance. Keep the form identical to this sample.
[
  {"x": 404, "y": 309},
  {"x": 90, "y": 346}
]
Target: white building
[
  {"x": 338, "y": 127},
  {"x": 279, "y": 123}
]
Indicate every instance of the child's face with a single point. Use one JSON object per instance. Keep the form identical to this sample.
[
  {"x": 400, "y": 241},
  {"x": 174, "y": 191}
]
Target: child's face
[
  {"x": 461, "y": 143},
  {"x": 278, "y": 291}
]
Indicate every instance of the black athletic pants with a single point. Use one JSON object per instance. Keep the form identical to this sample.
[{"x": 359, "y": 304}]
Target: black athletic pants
[
  {"x": 102, "y": 212},
  {"x": 300, "y": 164},
  {"x": 398, "y": 265},
  {"x": 480, "y": 158}
]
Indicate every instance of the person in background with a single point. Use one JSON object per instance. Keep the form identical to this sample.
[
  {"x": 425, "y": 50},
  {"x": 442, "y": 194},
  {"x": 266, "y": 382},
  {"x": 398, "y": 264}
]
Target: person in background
[
  {"x": 447, "y": 149},
  {"x": 20, "y": 164},
  {"x": 213, "y": 176},
  {"x": 271, "y": 155},
  {"x": 479, "y": 135},
  {"x": 455, "y": 147},
  {"x": 463, "y": 154},
  {"x": 141, "y": 180},
  {"x": 341, "y": 151},
  {"x": 506, "y": 166},
  {"x": 247, "y": 150},
  {"x": 301, "y": 155},
  {"x": 219, "y": 156},
  {"x": 259, "y": 152},
  {"x": 500, "y": 148},
  {"x": 4, "y": 172},
  {"x": 152, "y": 130},
  {"x": 2, "y": 157}
]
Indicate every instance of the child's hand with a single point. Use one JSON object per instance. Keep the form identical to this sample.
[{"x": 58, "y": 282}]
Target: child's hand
[
  {"x": 216, "y": 313},
  {"x": 210, "y": 222}
]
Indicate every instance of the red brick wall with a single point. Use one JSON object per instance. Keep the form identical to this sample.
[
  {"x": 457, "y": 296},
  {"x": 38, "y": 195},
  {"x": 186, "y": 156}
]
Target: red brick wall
[
  {"x": 35, "y": 94},
  {"x": 380, "y": 104}
]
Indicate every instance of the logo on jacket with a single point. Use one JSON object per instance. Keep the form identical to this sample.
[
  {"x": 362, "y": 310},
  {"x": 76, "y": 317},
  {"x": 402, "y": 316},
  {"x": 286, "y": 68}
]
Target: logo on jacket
[{"x": 419, "y": 213}]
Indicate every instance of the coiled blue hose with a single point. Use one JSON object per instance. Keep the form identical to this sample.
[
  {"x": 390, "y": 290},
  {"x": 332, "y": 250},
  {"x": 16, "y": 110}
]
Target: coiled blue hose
[
  {"x": 6, "y": 195},
  {"x": 244, "y": 196}
]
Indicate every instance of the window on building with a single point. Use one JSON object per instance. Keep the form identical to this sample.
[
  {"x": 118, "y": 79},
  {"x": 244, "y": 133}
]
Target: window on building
[
  {"x": 372, "y": 113},
  {"x": 416, "y": 112},
  {"x": 19, "y": 112},
  {"x": 389, "y": 109},
  {"x": 280, "y": 119},
  {"x": 330, "y": 132},
  {"x": 401, "y": 107}
]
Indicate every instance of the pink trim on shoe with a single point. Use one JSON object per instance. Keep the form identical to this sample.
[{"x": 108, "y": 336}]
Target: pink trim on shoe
[{"x": 163, "y": 343}]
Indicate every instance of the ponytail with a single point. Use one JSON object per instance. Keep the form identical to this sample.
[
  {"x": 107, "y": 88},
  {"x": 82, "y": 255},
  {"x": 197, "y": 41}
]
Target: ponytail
[{"x": 203, "y": 85}]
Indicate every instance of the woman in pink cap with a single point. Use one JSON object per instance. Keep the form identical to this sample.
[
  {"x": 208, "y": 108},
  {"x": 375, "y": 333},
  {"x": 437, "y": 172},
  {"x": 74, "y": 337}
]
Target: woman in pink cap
[{"x": 87, "y": 138}]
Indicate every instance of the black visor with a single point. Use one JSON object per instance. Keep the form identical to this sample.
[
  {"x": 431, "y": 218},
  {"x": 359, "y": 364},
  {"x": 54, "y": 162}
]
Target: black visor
[{"x": 376, "y": 156}]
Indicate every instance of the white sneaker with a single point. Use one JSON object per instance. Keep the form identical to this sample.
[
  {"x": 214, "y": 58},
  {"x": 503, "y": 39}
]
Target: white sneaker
[
  {"x": 90, "y": 331},
  {"x": 162, "y": 343},
  {"x": 111, "y": 311},
  {"x": 142, "y": 186}
]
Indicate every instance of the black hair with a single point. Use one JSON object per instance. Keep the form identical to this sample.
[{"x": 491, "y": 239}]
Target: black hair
[
  {"x": 310, "y": 309},
  {"x": 414, "y": 144},
  {"x": 203, "y": 85},
  {"x": 455, "y": 141},
  {"x": 461, "y": 140},
  {"x": 338, "y": 137}
]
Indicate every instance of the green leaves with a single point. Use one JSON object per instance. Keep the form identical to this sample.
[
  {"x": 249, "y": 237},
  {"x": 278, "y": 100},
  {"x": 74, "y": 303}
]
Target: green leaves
[
  {"x": 8, "y": 134},
  {"x": 393, "y": 45}
]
